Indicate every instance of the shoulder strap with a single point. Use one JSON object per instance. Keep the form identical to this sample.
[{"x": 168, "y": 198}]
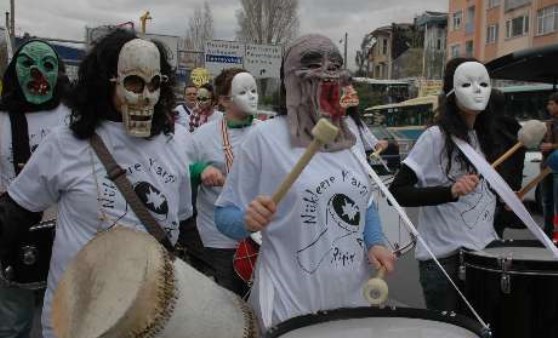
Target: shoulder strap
[
  {"x": 227, "y": 147},
  {"x": 21, "y": 150},
  {"x": 118, "y": 176}
]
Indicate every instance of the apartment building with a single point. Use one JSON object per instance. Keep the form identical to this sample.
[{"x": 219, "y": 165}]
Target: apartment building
[{"x": 500, "y": 26}]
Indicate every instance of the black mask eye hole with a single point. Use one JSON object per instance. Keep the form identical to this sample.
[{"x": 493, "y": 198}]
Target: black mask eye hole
[
  {"x": 27, "y": 62},
  {"x": 466, "y": 85},
  {"x": 134, "y": 84},
  {"x": 154, "y": 84},
  {"x": 484, "y": 84},
  {"x": 48, "y": 65}
]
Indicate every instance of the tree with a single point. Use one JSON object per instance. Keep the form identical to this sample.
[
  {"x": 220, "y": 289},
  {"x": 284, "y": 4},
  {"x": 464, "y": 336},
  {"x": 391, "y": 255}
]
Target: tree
[
  {"x": 361, "y": 57},
  {"x": 267, "y": 21},
  {"x": 200, "y": 28}
]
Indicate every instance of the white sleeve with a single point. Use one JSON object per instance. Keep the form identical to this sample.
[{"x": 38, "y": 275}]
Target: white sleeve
[
  {"x": 368, "y": 139},
  {"x": 242, "y": 184},
  {"x": 41, "y": 181},
  {"x": 421, "y": 156}
]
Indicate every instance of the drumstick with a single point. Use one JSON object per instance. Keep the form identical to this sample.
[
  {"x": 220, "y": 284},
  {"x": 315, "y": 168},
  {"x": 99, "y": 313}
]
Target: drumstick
[
  {"x": 376, "y": 289},
  {"x": 552, "y": 166},
  {"x": 529, "y": 136},
  {"x": 323, "y": 132}
]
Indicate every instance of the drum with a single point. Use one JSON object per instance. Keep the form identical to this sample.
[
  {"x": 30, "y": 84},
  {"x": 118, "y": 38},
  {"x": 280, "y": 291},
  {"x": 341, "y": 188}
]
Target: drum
[
  {"x": 245, "y": 257},
  {"x": 514, "y": 287},
  {"x": 27, "y": 267},
  {"x": 379, "y": 323}
]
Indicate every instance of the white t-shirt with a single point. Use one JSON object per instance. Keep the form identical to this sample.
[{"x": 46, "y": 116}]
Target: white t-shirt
[
  {"x": 208, "y": 148},
  {"x": 39, "y": 124},
  {"x": 469, "y": 221},
  {"x": 313, "y": 256},
  {"x": 184, "y": 113},
  {"x": 66, "y": 170}
]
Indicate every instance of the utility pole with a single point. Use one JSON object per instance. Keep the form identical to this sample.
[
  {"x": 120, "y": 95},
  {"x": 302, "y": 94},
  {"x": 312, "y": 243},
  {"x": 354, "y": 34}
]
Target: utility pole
[
  {"x": 345, "y": 54},
  {"x": 12, "y": 17}
]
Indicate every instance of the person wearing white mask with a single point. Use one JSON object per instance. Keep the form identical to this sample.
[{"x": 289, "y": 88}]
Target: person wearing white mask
[
  {"x": 214, "y": 147},
  {"x": 456, "y": 204}
]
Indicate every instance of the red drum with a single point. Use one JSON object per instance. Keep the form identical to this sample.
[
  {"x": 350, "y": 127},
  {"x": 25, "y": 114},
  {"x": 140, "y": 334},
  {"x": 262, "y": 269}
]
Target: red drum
[
  {"x": 245, "y": 257},
  {"x": 368, "y": 322}
]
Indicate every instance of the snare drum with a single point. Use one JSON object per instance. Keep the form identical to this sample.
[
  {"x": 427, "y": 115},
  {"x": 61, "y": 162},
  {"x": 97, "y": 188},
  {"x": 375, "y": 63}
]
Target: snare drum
[
  {"x": 245, "y": 257},
  {"x": 367, "y": 322},
  {"x": 27, "y": 267},
  {"x": 514, "y": 286}
]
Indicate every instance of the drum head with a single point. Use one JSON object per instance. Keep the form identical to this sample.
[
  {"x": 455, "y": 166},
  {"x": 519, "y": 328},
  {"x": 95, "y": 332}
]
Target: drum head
[{"x": 381, "y": 323}]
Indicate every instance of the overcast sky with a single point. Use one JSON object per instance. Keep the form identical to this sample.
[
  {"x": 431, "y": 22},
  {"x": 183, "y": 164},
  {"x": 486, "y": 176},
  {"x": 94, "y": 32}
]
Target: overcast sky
[{"x": 67, "y": 18}]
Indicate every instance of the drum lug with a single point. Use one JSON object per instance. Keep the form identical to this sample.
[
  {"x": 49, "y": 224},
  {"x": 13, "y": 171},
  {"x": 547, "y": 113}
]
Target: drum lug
[
  {"x": 462, "y": 272},
  {"x": 29, "y": 255},
  {"x": 505, "y": 279}
]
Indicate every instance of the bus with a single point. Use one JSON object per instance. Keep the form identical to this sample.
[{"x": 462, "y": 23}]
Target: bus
[
  {"x": 527, "y": 102},
  {"x": 403, "y": 122}
]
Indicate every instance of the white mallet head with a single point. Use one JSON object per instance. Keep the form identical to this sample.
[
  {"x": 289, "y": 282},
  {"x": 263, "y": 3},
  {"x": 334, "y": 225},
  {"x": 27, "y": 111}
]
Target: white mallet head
[
  {"x": 324, "y": 131},
  {"x": 376, "y": 291},
  {"x": 531, "y": 133}
]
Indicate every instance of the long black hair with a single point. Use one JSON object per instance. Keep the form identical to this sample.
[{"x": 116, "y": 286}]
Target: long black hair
[
  {"x": 451, "y": 123},
  {"x": 91, "y": 99},
  {"x": 13, "y": 98}
]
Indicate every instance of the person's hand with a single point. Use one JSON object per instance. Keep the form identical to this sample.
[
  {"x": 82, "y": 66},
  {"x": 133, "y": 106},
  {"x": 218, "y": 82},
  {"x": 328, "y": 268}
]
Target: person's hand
[
  {"x": 464, "y": 185},
  {"x": 259, "y": 213},
  {"x": 381, "y": 145},
  {"x": 212, "y": 177},
  {"x": 546, "y": 146},
  {"x": 380, "y": 256}
]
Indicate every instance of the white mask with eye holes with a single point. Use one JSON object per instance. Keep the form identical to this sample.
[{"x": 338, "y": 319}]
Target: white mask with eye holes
[
  {"x": 244, "y": 93},
  {"x": 471, "y": 84},
  {"x": 138, "y": 85}
]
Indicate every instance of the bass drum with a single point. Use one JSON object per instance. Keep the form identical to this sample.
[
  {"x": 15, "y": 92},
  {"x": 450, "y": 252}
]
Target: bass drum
[
  {"x": 514, "y": 286},
  {"x": 245, "y": 257},
  {"x": 367, "y": 322}
]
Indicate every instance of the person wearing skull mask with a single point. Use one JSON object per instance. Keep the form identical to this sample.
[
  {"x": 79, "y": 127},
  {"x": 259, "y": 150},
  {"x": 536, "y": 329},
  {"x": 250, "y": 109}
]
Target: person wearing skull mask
[
  {"x": 124, "y": 95},
  {"x": 215, "y": 145},
  {"x": 316, "y": 244},
  {"x": 34, "y": 86},
  {"x": 456, "y": 204}
]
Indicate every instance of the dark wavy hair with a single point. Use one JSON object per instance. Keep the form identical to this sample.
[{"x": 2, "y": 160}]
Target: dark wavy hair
[
  {"x": 450, "y": 122},
  {"x": 13, "y": 98},
  {"x": 91, "y": 99}
]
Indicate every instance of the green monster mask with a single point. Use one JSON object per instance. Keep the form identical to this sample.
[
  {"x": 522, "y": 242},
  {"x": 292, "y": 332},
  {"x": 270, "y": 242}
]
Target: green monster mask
[{"x": 37, "y": 71}]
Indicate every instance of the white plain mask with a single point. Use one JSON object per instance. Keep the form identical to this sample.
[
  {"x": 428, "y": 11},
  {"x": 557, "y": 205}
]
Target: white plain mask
[
  {"x": 244, "y": 93},
  {"x": 471, "y": 84}
]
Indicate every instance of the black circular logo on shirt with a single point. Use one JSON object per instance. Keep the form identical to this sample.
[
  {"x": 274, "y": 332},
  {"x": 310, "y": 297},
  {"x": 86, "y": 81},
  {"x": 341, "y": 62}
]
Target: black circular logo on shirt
[
  {"x": 345, "y": 209},
  {"x": 152, "y": 198}
]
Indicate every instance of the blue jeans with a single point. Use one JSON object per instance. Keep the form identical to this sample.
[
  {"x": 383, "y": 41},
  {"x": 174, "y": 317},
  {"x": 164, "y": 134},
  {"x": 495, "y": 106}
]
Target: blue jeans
[
  {"x": 438, "y": 293},
  {"x": 549, "y": 194},
  {"x": 16, "y": 312}
]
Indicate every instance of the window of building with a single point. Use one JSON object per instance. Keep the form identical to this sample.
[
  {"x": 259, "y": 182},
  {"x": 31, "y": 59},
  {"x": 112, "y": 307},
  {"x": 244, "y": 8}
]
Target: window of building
[
  {"x": 439, "y": 44},
  {"x": 384, "y": 46},
  {"x": 454, "y": 51},
  {"x": 469, "y": 48},
  {"x": 517, "y": 26},
  {"x": 513, "y": 4},
  {"x": 457, "y": 18},
  {"x": 470, "y": 25},
  {"x": 547, "y": 20},
  {"x": 493, "y": 3},
  {"x": 492, "y": 34}
]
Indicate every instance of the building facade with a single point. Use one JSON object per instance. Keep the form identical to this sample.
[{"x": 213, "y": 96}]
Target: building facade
[
  {"x": 434, "y": 27},
  {"x": 488, "y": 29}
]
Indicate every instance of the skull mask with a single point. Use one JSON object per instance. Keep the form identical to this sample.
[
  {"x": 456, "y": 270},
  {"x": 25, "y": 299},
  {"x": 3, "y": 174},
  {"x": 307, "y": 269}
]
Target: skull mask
[{"x": 138, "y": 85}]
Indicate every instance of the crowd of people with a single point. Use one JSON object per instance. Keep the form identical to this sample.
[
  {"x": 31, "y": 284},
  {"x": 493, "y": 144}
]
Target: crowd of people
[{"x": 205, "y": 171}]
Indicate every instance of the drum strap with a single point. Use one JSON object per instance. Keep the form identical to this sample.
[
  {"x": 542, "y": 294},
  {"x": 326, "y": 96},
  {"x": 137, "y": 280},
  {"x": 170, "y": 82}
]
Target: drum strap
[
  {"x": 504, "y": 191},
  {"x": 118, "y": 176},
  {"x": 21, "y": 150}
]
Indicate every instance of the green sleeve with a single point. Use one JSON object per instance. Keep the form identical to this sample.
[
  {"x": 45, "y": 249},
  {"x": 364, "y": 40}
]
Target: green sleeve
[{"x": 196, "y": 170}]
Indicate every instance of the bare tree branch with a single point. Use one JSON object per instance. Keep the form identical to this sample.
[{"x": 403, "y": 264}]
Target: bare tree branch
[
  {"x": 200, "y": 28},
  {"x": 267, "y": 21}
]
